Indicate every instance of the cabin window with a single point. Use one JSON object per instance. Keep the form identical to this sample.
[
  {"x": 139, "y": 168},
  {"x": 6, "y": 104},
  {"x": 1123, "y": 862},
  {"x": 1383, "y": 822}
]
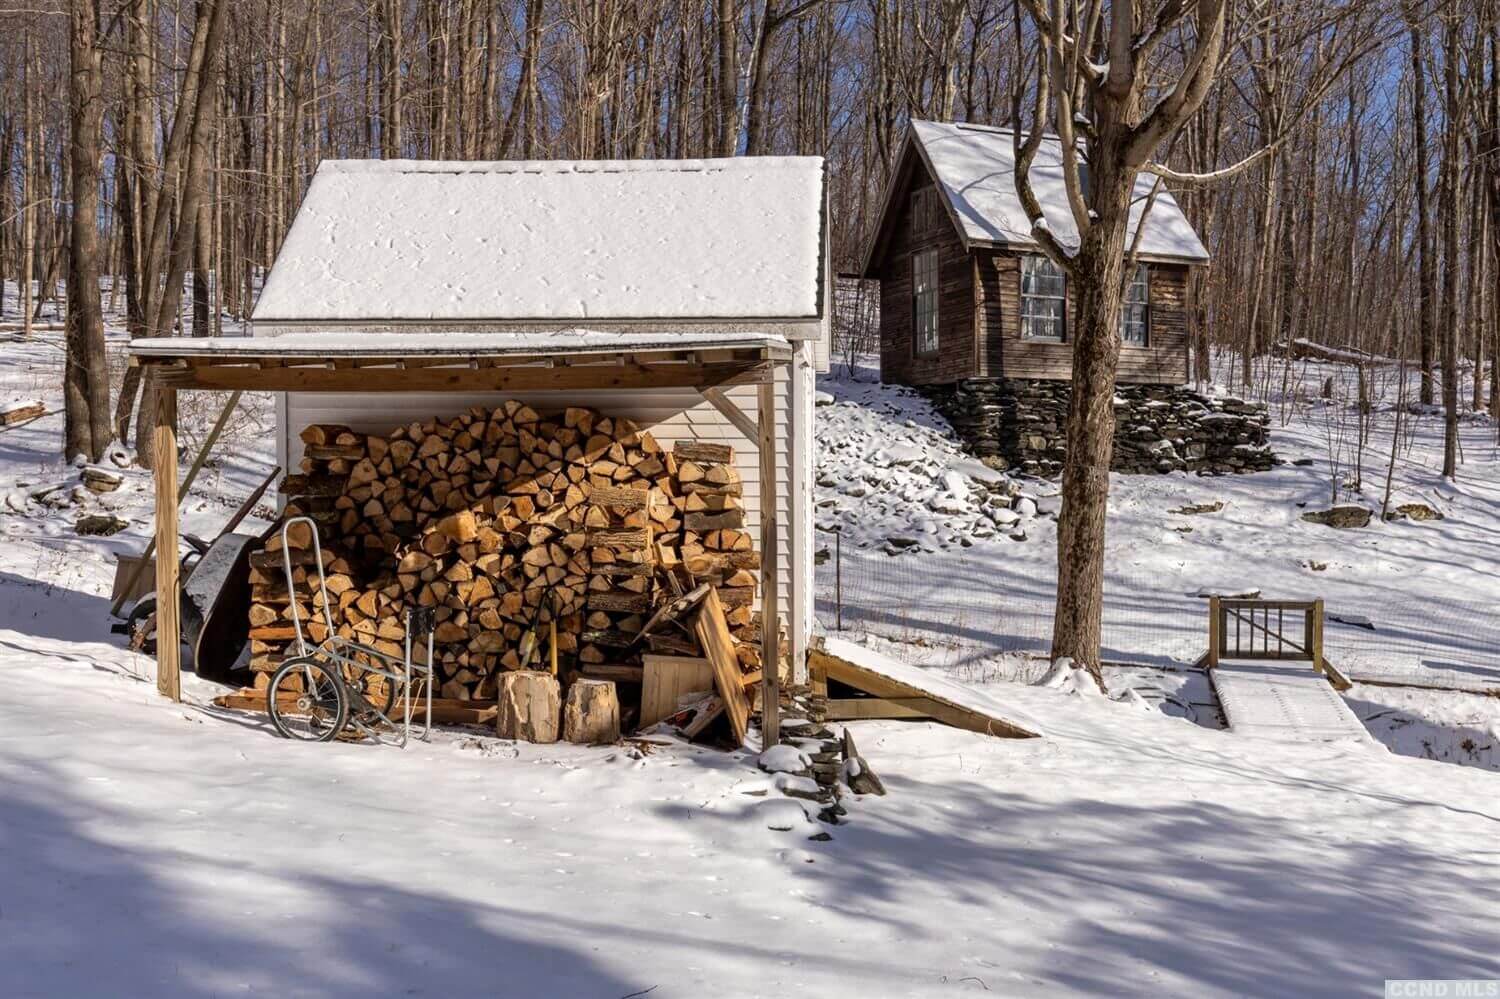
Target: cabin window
[
  {"x": 1135, "y": 311},
  {"x": 1044, "y": 299},
  {"x": 924, "y": 301}
]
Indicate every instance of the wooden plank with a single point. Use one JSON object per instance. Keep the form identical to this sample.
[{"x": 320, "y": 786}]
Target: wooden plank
[
  {"x": 770, "y": 606},
  {"x": 666, "y": 679},
  {"x": 459, "y": 379},
  {"x": 618, "y": 672},
  {"x": 445, "y": 710},
  {"x": 857, "y": 708},
  {"x": 168, "y": 627},
  {"x": 718, "y": 646},
  {"x": 870, "y": 682}
]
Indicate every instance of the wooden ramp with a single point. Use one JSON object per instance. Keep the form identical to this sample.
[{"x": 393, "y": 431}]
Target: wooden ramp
[
  {"x": 1284, "y": 701},
  {"x": 897, "y": 690}
]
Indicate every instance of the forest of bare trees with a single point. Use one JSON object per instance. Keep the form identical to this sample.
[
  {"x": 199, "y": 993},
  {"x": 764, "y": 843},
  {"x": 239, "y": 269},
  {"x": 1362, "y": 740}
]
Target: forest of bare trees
[{"x": 1341, "y": 158}]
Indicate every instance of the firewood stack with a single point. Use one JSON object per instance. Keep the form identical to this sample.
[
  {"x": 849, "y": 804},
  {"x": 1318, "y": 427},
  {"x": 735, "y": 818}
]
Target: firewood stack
[{"x": 507, "y": 523}]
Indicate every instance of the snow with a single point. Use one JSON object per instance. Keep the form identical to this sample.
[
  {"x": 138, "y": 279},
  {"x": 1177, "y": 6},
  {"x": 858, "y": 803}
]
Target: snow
[
  {"x": 182, "y": 850},
  {"x": 976, "y": 167},
  {"x": 1284, "y": 701},
  {"x": 455, "y": 343},
  {"x": 697, "y": 239},
  {"x": 784, "y": 759}
]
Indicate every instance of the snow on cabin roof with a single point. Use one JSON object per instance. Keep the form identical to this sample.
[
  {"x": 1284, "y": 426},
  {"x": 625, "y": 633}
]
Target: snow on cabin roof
[
  {"x": 435, "y": 241},
  {"x": 324, "y": 344},
  {"x": 974, "y": 166}
]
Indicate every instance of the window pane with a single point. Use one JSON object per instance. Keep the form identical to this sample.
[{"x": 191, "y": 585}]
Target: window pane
[
  {"x": 1134, "y": 310},
  {"x": 1043, "y": 299},
  {"x": 924, "y": 301}
]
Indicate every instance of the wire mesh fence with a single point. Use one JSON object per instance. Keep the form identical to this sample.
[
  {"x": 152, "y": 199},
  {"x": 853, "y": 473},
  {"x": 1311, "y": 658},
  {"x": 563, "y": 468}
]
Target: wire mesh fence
[{"x": 963, "y": 606}]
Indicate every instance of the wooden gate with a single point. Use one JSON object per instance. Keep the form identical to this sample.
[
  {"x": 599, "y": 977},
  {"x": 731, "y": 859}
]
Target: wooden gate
[{"x": 1280, "y": 630}]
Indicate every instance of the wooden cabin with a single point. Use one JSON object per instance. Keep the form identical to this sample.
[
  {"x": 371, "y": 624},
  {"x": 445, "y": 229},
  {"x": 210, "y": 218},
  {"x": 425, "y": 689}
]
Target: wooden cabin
[{"x": 966, "y": 293}]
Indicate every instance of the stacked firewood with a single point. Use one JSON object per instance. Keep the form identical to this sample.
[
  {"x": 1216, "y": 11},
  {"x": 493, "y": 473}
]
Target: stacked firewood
[{"x": 531, "y": 537}]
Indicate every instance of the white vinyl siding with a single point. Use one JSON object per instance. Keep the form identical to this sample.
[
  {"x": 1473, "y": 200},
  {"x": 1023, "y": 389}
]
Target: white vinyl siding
[
  {"x": 924, "y": 301},
  {"x": 1044, "y": 299},
  {"x": 671, "y": 414},
  {"x": 1135, "y": 309}
]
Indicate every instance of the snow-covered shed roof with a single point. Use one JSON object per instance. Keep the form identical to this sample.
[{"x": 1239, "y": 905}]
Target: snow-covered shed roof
[
  {"x": 975, "y": 169},
  {"x": 557, "y": 241}
]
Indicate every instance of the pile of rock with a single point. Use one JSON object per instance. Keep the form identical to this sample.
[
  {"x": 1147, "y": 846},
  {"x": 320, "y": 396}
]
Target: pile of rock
[{"x": 1158, "y": 428}]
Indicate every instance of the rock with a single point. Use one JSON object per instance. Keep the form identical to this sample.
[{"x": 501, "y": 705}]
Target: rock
[
  {"x": 1194, "y": 509},
  {"x": 782, "y": 814},
  {"x": 1414, "y": 511},
  {"x": 101, "y": 480},
  {"x": 1343, "y": 517},
  {"x": 949, "y": 503},
  {"x": 856, "y": 771},
  {"x": 1159, "y": 428},
  {"x": 100, "y": 525},
  {"x": 901, "y": 541},
  {"x": 1003, "y": 518},
  {"x": 784, "y": 760},
  {"x": 822, "y": 399},
  {"x": 1026, "y": 506}
]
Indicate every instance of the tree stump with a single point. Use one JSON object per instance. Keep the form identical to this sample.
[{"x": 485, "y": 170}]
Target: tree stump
[
  {"x": 530, "y": 702},
  {"x": 592, "y": 714}
]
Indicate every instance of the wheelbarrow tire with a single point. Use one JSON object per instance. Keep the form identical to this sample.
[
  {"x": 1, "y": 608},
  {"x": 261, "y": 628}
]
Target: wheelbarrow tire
[{"x": 317, "y": 711}]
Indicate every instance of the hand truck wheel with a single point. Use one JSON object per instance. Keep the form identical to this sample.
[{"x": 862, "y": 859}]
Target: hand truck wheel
[{"x": 307, "y": 701}]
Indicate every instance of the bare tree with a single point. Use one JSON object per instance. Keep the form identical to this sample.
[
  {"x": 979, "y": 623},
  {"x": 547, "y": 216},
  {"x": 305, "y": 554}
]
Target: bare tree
[{"x": 86, "y": 376}]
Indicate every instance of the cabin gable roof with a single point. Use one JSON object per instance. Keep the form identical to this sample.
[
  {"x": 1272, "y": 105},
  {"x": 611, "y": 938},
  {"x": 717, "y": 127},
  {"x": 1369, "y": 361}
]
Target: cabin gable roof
[{"x": 974, "y": 169}]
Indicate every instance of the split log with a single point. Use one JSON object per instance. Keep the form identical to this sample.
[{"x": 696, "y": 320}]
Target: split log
[
  {"x": 529, "y": 706},
  {"x": 592, "y": 714}
]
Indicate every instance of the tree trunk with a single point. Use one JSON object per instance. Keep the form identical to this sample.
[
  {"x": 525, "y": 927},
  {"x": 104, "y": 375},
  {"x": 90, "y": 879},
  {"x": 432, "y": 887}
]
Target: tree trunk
[
  {"x": 86, "y": 376},
  {"x": 1450, "y": 190},
  {"x": 1097, "y": 275},
  {"x": 1427, "y": 288}
]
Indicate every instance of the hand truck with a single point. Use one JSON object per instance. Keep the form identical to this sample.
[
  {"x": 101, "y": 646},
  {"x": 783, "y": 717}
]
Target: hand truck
[{"x": 338, "y": 682}]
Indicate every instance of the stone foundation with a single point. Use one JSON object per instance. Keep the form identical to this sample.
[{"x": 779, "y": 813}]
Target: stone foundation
[{"x": 1158, "y": 428}]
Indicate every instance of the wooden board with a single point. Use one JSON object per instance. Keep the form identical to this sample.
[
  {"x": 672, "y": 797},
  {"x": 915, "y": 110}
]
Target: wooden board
[
  {"x": 445, "y": 710},
  {"x": 857, "y": 708},
  {"x": 667, "y": 679},
  {"x": 866, "y": 677},
  {"x": 718, "y": 646}
]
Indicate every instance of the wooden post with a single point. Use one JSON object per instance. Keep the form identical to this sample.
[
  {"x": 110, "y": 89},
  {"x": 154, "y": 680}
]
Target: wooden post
[
  {"x": 168, "y": 627},
  {"x": 770, "y": 629},
  {"x": 1315, "y": 646},
  {"x": 1213, "y": 632}
]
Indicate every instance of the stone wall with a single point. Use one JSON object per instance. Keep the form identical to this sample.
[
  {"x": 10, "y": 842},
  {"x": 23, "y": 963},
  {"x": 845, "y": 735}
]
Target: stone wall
[{"x": 1158, "y": 428}]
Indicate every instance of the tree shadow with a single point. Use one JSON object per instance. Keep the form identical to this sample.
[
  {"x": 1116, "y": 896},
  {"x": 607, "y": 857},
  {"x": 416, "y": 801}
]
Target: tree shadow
[
  {"x": 1115, "y": 898},
  {"x": 84, "y": 915}
]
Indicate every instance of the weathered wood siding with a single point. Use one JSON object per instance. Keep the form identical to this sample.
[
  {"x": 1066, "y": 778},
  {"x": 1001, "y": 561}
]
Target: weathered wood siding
[
  {"x": 955, "y": 358},
  {"x": 1003, "y": 354}
]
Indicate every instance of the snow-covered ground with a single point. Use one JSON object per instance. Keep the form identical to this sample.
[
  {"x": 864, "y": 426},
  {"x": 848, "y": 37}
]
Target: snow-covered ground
[
  {"x": 155, "y": 850},
  {"x": 963, "y": 588}
]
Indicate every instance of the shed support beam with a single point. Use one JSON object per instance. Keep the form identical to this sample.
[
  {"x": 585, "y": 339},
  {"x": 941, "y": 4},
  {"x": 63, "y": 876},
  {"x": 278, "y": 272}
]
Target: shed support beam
[
  {"x": 168, "y": 626},
  {"x": 770, "y": 617},
  {"x": 733, "y": 414}
]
